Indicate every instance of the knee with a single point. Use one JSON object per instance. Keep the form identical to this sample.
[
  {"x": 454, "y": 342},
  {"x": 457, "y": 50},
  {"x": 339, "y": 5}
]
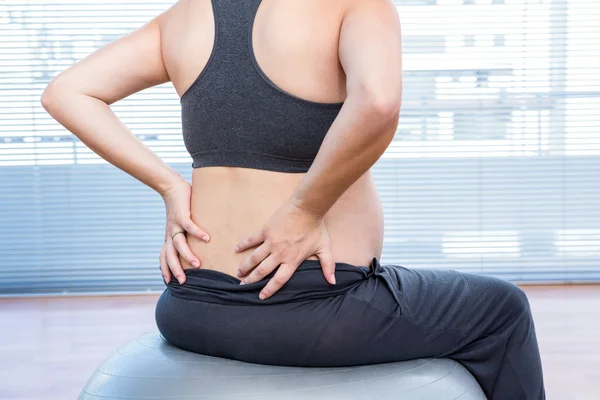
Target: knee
[
  {"x": 521, "y": 298},
  {"x": 499, "y": 294},
  {"x": 513, "y": 298}
]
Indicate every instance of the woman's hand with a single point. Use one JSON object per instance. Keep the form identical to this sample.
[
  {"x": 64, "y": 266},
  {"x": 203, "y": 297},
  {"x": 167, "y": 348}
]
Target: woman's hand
[
  {"x": 289, "y": 237},
  {"x": 177, "y": 204}
]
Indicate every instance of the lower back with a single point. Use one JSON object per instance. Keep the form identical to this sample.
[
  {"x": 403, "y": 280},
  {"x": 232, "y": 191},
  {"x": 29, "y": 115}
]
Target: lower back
[{"x": 232, "y": 203}]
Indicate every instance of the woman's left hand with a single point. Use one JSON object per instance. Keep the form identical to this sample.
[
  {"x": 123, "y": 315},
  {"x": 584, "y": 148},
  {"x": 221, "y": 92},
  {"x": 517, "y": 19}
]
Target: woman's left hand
[{"x": 288, "y": 238}]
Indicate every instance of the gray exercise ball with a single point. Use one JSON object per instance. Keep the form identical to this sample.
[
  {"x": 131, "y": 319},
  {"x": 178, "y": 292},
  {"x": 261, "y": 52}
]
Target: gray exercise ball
[{"x": 150, "y": 368}]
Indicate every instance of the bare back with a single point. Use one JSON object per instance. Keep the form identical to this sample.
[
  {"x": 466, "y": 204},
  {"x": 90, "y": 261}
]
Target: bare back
[{"x": 296, "y": 46}]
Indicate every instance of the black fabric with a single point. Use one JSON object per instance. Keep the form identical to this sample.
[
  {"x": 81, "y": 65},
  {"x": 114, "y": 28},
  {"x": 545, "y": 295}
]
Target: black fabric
[
  {"x": 374, "y": 314},
  {"x": 234, "y": 115}
]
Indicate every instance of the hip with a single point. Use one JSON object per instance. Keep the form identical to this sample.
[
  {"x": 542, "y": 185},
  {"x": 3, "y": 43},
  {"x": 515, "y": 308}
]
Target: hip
[{"x": 308, "y": 322}]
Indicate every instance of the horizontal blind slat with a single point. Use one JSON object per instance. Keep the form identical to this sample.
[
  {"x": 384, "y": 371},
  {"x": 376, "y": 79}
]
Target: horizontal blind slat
[{"x": 494, "y": 167}]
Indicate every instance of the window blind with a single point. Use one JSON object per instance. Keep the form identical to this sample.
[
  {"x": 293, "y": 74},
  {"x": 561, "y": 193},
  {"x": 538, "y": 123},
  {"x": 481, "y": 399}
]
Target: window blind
[{"x": 494, "y": 168}]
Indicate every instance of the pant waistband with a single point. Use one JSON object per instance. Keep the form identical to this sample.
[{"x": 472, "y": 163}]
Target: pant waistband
[{"x": 307, "y": 283}]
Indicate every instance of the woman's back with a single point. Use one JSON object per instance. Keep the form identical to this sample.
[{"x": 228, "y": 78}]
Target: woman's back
[{"x": 295, "y": 45}]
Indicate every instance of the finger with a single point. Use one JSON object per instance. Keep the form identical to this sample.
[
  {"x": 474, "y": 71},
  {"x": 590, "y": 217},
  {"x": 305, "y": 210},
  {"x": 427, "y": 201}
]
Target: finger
[
  {"x": 173, "y": 262},
  {"x": 263, "y": 269},
  {"x": 180, "y": 244},
  {"x": 327, "y": 264},
  {"x": 250, "y": 241},
  {"x": 283, "y": 274},
  {"x": 195, "y": 230},
  {"x": 253, "y": 259},
  {"x": 164, "y": 267}
]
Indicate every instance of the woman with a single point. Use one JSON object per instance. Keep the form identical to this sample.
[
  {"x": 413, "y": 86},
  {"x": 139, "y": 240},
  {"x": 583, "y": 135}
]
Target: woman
[{"x": 275, "y": 246}]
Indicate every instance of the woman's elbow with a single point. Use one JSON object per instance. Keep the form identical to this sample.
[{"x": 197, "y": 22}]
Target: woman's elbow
[
  {"x": 56, "y": 90},
  {"x": 387, "y": 108},
  {"x": 47, "y": 99},
  {"x": 50, "y": 96},
  {"x": 383, "y": 104}
]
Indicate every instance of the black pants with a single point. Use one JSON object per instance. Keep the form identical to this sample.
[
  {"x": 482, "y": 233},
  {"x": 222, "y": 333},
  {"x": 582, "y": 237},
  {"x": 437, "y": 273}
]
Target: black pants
[{"x": 374, "y": 314}]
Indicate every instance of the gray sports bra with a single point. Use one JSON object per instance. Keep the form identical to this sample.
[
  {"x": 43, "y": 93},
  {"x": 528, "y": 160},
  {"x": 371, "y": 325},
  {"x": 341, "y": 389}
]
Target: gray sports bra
[{"x": 234, "y": 115}]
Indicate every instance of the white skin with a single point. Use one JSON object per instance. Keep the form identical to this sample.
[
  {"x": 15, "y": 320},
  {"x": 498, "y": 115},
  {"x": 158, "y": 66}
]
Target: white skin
[{"x": 256, "y": 221}]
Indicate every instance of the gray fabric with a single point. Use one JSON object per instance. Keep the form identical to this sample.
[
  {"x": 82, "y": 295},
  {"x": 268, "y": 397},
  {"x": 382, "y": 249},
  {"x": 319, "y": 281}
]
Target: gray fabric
[
  {"x": 374, "y": 314},
  {"x": 234, "y": 115},
  {"x": 149, "y": 368}
]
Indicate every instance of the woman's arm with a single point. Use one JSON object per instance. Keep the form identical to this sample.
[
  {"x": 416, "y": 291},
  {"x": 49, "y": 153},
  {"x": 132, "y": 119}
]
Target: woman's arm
[
  {"x": 79, "y": 98},
  {"x": 370, "y": 51}
]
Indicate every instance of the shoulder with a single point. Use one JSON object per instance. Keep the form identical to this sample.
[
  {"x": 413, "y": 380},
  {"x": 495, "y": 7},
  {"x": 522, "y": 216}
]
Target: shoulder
[
  {"x": 173, "y": 15},
  {"x": 385, "y": 9}
]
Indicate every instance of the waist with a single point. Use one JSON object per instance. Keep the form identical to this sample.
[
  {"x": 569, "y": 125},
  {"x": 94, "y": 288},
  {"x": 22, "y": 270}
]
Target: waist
[{"x": 232, "y": 203}]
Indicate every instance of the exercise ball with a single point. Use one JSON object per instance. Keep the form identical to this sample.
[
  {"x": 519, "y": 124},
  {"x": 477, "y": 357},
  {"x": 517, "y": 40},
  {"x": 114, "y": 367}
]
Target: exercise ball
[{"x": 150, "y": 368}]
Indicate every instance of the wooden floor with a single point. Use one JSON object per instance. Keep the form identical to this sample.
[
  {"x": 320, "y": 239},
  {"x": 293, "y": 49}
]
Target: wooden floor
[{"x": 50, "y": 346}]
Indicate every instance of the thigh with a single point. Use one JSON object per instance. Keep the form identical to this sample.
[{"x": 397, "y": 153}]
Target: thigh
[
  {"x": 441, "y": 311},
  {"x": 432, "y": 299},
  {"x": 449, "y": 301},
  {"x": 453, "y": 300}
]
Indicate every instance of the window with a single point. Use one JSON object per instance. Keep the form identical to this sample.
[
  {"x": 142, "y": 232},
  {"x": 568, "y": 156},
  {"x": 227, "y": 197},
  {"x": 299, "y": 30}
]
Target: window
[{"x": 494, "y": 169}]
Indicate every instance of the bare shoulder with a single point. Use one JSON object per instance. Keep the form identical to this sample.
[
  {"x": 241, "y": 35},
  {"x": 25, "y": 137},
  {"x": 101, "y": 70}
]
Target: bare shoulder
[
  {"x": 175, "y": 14},
  {"x": 370, "y": 49},
  {"x": 187, "y": 33},
  {"x": 384, "y": 10},
  {"x": 174, "y": 21}
]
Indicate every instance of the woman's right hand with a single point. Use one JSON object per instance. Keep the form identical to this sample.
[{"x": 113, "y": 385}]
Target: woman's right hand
[{"x": 177, "y": 204}]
